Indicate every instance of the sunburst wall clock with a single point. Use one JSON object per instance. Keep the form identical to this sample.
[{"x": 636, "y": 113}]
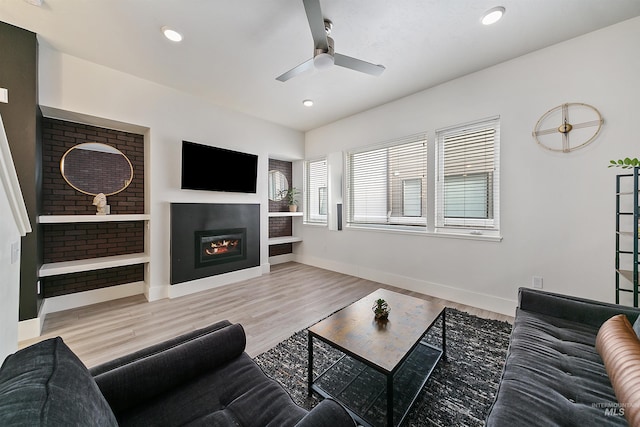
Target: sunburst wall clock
[{"x": 568, "y": 127}]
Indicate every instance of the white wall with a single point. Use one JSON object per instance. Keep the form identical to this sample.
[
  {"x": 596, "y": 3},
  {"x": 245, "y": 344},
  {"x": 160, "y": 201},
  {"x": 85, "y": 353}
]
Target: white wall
[
  {"x": 9, "y": 280},
  {"x": 14, "y": 223},
  {"x": 74, "y": 85},
  {"x": 557, "y": 210}
]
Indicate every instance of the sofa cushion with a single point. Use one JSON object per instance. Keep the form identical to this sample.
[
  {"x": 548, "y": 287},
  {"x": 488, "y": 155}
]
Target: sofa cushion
[
  {"x": 553, "y": 369},
  {"x": 47, "y": 385},
  {"x": 143, "y": 376},
  {"x": 236, "y": 394},
  {"x": 619, "y": 347}
]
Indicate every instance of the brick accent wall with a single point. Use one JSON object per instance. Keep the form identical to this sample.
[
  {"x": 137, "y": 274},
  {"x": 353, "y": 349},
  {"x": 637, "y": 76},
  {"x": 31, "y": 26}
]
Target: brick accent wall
[
  {"x": 73, "y": 241},
  {"x": 78, "y": 282},
  {"x": 67, "y": 242},
  {"x": 280, "y": 226},
  {"x": 58, "y": 197}
]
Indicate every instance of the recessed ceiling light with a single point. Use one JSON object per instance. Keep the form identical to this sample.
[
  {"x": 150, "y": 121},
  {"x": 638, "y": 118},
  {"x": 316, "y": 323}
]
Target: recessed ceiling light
[
  {"x": 307, "y": 103},
  {"x": 171, "y": 34},
  {"x": 493, "y": 15}
]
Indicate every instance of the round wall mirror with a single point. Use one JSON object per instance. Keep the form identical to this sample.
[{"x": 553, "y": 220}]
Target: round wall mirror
[
  {"x": 93, "y": 168},
  {"x": 278, "y": 184}
]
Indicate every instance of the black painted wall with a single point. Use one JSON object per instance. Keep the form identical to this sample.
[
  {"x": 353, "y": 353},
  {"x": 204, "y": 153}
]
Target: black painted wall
[{"x": 18, "y": 74}]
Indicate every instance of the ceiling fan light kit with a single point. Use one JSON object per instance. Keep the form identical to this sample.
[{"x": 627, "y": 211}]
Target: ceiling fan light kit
[
  {"x": 323, "y": 61},
  {"x": 324, "y": 55}
]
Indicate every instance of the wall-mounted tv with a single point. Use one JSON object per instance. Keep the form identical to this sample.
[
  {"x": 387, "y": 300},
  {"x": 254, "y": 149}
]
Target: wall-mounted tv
[{"x": 215, "y": 169}]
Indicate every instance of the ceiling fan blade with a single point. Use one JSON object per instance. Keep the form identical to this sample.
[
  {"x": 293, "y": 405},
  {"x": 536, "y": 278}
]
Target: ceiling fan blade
[
  {"x": 306, "y": 65},
  {"x": 358, "y": 65},
  {"x": 316, "y": 23}
]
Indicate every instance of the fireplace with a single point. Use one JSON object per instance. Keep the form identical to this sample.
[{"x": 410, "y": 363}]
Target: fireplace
[
  {"x": 208, "y": 239},
  {"x": 220, "y": 246}
]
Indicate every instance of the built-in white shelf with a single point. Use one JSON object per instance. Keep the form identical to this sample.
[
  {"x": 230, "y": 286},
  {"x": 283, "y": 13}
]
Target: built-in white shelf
[
  {"x": 276, "y": 214},
  {"x": 286, "y": 239},
  {"x": 65, "y": 219},
  {"x": 80, "y": 265}
]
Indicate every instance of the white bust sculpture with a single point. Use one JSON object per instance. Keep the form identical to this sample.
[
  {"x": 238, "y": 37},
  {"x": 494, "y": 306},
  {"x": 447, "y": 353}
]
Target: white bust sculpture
[{"x": 100, "y": 202}]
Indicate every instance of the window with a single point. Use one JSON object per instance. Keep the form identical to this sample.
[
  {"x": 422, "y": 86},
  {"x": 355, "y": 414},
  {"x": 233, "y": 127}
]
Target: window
[
  {"x": 315, "y": 194},
  {"x": 322, "y": 200},
  {"x": 386, "y": 185},
  {"x": 468, "y": 180},
  {"x": 412, "y": 197}
]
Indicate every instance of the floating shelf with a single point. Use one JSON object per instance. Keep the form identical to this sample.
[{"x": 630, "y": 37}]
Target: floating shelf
[
  {"x": 276, "y": 214},
  {"x": 80, "y": 265},
  {"x": 286, "y": 239},
  {"x": 64, "y": 219}
]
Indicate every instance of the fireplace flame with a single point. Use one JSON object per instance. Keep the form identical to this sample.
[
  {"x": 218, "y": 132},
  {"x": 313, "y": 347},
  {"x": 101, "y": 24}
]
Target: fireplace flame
[{"x": 221, "y": 246}]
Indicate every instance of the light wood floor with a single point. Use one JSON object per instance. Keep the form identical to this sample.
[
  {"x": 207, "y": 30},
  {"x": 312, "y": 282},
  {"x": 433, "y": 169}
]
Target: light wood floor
[{"x": 270, "y": 308}]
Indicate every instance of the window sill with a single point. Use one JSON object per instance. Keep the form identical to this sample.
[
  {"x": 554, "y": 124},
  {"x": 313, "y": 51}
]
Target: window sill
[
  {"x": 423, "y": 232},
  {"x": 315, "y": 224}
]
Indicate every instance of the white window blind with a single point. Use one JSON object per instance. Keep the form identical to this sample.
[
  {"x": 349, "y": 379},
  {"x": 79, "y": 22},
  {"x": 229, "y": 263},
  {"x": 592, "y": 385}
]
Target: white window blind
[
  {"x": 468, "y": 178},
  {"x": 315, "y": 194},
  {"x": 386, "y": 184}
]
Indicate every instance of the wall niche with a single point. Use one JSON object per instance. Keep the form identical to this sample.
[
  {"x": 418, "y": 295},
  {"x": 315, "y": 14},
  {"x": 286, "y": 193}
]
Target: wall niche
[
  {"x": 72, "y": 241},
  {"x": 280, "y": 226}
]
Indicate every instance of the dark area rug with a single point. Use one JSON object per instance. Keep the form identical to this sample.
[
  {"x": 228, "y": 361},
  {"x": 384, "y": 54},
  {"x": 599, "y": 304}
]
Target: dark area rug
[{"x": 459, "y": 391}]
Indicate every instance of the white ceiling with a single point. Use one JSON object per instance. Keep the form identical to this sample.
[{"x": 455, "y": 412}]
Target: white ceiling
[{"x": 233, "y": 50}]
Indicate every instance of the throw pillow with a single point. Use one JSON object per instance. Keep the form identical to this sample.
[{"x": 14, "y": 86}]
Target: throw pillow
[
  {"x": 619, "y": 348},
  {"x": 47, "y": 385}
]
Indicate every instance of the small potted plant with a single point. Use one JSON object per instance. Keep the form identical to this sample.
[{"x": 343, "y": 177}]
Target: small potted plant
[
  {"x": 381, "y": 309},
  {"x": 292, "y": 198}
]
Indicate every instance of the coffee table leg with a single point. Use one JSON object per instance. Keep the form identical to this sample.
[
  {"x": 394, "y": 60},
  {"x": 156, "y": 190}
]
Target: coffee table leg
[
  {"x": 444, "y": 335},
  {"x": 390, "y": 399},
  {"x": 310, "y": 364}
]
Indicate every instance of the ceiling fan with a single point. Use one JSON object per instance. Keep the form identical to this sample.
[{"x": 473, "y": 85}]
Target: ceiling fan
[{"x": 323, "y": 54}]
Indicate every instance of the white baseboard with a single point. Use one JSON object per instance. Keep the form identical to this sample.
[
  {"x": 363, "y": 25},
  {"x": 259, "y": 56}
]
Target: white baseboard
[
  {"x": 461, "y": 296},
  {"x": 280, "y": 259},
  {"x": 155, "y": 293},
  {"x": 211, "y": 282},
  {"x": 266, "y": 268},
  {"x": 81, "y": 299},
  {"x": 30, "y": 328}
]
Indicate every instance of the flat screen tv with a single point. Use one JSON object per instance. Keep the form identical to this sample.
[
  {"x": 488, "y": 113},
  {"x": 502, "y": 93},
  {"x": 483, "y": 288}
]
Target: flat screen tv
[{"x": 215, "y": 169}]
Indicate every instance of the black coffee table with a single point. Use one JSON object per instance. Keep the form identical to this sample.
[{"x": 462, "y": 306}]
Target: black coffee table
[{"x": 384, "y": 364}]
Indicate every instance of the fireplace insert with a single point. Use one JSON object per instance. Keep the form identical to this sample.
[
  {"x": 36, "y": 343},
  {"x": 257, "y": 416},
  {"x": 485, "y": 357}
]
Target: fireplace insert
[{"x": 220, "y": 246}]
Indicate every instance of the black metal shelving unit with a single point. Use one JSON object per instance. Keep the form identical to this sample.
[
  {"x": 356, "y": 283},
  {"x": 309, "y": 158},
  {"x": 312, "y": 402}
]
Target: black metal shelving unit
[{"x": 630, "y": 276}]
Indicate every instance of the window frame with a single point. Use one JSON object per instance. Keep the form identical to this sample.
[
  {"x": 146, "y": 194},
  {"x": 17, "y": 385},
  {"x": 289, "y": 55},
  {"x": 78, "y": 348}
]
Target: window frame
[
  {"x": 489, "y": 225},
  {"x": 389, "y": 220},
  {"x": 314, "y": 195}
]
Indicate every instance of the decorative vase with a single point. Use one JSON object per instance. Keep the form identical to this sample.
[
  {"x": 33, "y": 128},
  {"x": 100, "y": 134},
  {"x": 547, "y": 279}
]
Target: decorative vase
[
  {"x": 381, "y": 309},
  {"x": 293, "y": 208}
]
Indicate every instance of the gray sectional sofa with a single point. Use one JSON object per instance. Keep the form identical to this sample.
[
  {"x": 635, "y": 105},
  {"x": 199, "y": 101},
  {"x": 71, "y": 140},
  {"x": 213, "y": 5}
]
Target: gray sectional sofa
[
  {"x": 555, "y": 376},
  {"x": 200, "y": 378}
]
